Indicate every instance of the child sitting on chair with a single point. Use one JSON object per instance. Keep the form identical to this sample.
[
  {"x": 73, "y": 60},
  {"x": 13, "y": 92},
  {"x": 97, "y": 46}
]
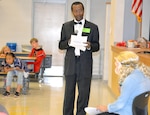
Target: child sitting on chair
[
  {"x": 37, "y": 52},
  {"x": 4, "y": 50},
  {"x": 13, "y": 67}
]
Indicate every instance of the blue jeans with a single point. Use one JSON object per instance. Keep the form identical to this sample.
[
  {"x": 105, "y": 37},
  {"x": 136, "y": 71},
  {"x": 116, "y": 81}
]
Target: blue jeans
[
  {"x": 107, "y": 113},
  {"x": 12, "y": 73}
]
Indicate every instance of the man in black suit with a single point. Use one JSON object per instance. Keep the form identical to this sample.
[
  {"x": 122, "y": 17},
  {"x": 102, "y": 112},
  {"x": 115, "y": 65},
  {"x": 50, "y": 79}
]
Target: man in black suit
[{"x": 78, "y": 62}]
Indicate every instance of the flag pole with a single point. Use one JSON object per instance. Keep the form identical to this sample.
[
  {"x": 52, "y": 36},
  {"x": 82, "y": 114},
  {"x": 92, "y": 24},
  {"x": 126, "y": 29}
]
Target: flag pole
[{"x": 140, "y": 29}]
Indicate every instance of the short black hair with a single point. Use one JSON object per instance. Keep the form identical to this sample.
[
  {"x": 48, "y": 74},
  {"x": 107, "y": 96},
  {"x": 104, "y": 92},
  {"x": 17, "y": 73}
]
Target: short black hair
[
  {"x": 77, "y": 3},
  {"x": 10, "y": 54}
]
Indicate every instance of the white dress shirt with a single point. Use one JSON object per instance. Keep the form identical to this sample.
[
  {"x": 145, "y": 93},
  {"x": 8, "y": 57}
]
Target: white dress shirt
[{"x": 78, "y": 30}]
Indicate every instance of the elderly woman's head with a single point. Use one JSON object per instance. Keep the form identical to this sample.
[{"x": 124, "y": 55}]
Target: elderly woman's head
[
  {"x": 125, "y": 63},
  {"x": 126, "y": 59}
]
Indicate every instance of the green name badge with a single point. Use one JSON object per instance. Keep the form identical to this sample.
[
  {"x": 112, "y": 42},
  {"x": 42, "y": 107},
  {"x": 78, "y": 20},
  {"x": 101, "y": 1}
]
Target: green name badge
[{"x": 86, "y": 30}]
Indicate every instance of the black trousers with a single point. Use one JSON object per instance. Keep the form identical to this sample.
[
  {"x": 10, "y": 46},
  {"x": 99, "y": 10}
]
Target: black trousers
[{"x": 83, "y": 85}]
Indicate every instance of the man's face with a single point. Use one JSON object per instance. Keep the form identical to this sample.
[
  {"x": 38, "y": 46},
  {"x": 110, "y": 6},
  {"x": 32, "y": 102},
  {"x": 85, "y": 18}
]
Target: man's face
[{"x": 78, "y": 12}]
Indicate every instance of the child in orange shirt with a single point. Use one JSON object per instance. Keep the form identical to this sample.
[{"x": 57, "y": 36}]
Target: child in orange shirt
[{"x": 37, "y": 52}]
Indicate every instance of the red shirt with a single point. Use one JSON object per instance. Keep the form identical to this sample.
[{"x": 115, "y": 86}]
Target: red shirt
[{"x": 40, "y": 55}]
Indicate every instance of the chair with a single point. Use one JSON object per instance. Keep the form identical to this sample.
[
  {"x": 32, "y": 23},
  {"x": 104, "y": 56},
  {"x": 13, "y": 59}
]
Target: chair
[
  {"x": 140, "y": 103},
  {"x": 46, "y": 63}
]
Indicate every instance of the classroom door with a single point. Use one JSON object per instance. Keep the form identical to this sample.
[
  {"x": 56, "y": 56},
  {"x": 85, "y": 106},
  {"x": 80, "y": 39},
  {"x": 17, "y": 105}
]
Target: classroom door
[{"x": 48, "y": 20}]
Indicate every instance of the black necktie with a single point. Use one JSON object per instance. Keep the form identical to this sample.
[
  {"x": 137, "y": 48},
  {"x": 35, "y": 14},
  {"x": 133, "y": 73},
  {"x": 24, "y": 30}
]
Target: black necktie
[{"x": 78, "y": 23}]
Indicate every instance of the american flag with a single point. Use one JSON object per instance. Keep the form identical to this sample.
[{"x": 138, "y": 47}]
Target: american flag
[{"x": 137, "y": 9}]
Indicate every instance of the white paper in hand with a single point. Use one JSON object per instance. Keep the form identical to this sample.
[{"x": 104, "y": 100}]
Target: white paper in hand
[
  {"x": 78, "y": 42},
  {"x": 91, "y": 110}
]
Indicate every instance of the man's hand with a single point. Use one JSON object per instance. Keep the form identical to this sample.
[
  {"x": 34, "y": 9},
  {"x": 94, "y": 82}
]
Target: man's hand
[{"x": 88, "y": 46}]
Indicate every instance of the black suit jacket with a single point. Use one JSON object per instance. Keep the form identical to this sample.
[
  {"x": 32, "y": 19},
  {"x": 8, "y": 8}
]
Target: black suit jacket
[{"x": 86, "y": 56}]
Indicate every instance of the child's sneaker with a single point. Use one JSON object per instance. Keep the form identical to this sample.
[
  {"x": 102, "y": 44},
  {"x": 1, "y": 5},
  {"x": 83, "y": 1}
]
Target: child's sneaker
[
  {"x": 6, "y": 93},
  {"x": 16, "y": 94}
]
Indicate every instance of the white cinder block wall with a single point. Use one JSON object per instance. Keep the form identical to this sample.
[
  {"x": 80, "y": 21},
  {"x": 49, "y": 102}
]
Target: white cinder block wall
[{"x": 15, "y": 22}]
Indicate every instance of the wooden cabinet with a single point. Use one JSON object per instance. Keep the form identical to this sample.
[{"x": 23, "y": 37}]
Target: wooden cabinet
[{"x": 145, "y": 58}]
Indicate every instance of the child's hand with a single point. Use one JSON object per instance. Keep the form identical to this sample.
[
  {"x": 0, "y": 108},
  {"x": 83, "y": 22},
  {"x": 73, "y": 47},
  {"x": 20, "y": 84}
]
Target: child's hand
[
  {"x": 2, "y": 55},
  {"x": 17, "y": 68},
  {"x": 6, "y": 69},
  {"x": 29, "y": 66}
]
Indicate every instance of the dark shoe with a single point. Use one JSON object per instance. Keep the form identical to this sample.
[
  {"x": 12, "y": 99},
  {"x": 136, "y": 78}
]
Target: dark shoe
[
  {"x": 16, "y": 94},
  {"x": 6, "y": 93}
]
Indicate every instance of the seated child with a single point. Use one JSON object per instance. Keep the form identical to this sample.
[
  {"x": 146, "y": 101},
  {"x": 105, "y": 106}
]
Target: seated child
[
  {"x": 37, "y": 52},
  {"x": 13, "y": 67},
  {"x": 4, "y": 50}
]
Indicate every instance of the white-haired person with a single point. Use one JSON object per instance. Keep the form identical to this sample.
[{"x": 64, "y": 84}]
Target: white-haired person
[{"x": 134, "y": 80}]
